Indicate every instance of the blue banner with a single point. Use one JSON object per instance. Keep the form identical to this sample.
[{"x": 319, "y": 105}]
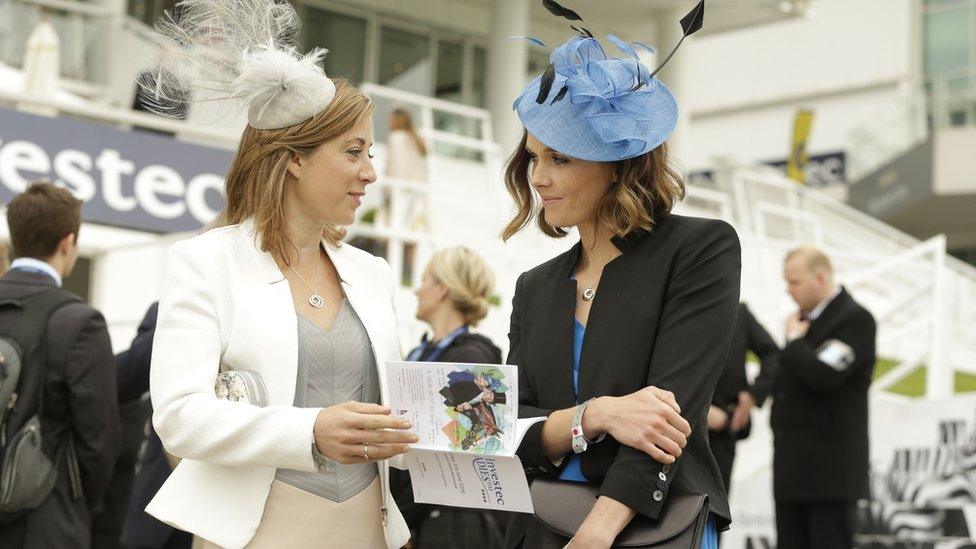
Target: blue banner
[{"x": 133, "y": 179}]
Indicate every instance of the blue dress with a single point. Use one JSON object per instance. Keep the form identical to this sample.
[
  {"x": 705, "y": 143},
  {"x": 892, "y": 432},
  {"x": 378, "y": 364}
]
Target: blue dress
[{"x": 572, "y": 471}]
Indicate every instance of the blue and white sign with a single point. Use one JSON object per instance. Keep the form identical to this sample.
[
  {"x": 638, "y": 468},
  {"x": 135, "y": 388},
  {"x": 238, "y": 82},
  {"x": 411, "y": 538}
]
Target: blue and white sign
[{"x": 131, "y": 179}]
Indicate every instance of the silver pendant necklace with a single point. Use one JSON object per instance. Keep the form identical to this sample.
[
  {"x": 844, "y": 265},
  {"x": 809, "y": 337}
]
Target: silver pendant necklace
[
  {"x": 315, "y": 300},
  {"x": 589, "y": 294}
]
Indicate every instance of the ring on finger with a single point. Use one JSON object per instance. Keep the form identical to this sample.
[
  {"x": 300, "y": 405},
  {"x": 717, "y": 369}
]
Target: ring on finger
[{"x": 365, "y": 451}]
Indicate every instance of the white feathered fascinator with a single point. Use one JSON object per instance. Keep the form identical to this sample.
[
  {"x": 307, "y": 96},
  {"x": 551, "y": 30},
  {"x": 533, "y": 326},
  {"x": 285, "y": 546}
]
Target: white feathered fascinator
[{"x": 241, "y": 50}]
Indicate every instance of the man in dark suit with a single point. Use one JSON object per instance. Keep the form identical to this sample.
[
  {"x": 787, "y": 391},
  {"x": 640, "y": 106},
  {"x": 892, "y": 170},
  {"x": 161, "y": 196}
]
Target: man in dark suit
[
  {"x": 79, "y": 388},
  {"x": 820, "y": 408},
  {"x": 735, "y": 397}
]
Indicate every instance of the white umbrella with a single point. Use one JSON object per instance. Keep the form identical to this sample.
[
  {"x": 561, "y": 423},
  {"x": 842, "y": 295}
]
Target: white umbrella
[{"x": 42, "y": 66}]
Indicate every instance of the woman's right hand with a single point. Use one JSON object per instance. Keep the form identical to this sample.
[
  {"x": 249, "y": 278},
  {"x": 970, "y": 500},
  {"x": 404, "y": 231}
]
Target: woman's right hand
[
  {"x": 648, "y": 420},
  {"x": 342, "y": 432}
]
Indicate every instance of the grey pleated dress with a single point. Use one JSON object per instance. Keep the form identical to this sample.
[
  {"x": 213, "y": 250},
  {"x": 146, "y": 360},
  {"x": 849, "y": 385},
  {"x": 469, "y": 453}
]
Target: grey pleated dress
[
  {"x": 333, "y": 367},
  {"x": 339, "y": 505}
]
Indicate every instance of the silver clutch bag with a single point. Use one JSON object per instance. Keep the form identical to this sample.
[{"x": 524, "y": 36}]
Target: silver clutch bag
[{"x": 241, "y": 386}]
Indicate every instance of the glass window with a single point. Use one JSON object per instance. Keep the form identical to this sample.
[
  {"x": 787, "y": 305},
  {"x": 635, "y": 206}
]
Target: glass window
[
  {"x": 449, "y": 65},
  {"x": 345, "y": 38},
  {"x": 405, "y": 60},
  {"x": 479, "y": 76},
  {"x": 148, "y": 11},
  {"x": 948, "y": 43}
]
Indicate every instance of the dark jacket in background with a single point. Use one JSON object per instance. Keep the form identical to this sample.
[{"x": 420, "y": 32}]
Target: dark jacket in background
[
  {"x": 439, "y": 527},
  {"x": 140, "y": 529},
  {"x": 472, "y": 348},
  {"x": 79, "y": 401},
  {"x": 749, "y": 336},
  {"x": 132, "y": 382},
  {"x": 663, "y": 315},
  {"x": 820, "y": 412}
]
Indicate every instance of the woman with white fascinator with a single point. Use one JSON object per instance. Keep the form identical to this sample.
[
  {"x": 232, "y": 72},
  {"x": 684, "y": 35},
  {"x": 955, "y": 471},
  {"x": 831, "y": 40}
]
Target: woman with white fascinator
[{"x": 265, "y": 377}]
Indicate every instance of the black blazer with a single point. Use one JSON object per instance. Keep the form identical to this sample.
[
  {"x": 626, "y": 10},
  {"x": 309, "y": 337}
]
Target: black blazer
[
  {"x": 132, "y": 364},
  {"x": 749, "y": 336},
  {"x": 79, "y": 399},
  {"x": 663, "y": 315},
  {"x": 820, "y": 411}
]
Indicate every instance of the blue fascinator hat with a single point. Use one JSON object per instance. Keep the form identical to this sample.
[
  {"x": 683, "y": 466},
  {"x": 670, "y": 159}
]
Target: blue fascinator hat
[{"x": 594, "y": 107}]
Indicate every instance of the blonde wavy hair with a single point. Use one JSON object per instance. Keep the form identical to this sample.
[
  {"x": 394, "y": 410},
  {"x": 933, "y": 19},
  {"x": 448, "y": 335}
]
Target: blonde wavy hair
[
  {"x": 468, "y": 279},
  {"x": 257, "y": 177},
  {"x": 646, "y": 189}
]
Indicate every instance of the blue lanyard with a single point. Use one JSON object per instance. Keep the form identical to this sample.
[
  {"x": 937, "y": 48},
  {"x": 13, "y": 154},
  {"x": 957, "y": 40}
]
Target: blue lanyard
[{"x": 439, "y": 350}]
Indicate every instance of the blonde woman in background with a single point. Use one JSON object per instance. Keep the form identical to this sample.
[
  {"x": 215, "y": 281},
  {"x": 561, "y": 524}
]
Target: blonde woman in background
[
  {"x": 453, "y": 297},
  {"x": 406, "y": 158}
]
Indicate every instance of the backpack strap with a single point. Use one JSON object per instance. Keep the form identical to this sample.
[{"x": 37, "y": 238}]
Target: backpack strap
[{"x": 30, "y": 329}]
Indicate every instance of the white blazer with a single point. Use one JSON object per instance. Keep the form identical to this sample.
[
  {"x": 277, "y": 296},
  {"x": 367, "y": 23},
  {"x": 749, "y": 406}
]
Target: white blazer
[{"x": 226, "y": 305}]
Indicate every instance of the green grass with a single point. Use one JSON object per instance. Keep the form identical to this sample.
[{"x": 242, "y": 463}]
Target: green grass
[{"x": 913, "y": 384}]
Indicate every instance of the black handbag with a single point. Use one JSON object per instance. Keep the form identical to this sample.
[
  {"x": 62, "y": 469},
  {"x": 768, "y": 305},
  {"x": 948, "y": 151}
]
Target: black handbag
[{"x": 562, "y": 506}]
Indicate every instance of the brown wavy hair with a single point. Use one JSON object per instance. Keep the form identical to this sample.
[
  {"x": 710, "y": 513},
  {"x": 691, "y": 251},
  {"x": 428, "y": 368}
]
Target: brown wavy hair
[
  {"x": 646, "y": 189},
  {"x": 256, "y": 179}
]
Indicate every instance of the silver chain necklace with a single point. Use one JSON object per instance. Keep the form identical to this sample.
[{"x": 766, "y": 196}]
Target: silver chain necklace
[{"x": 315, "y": 300}]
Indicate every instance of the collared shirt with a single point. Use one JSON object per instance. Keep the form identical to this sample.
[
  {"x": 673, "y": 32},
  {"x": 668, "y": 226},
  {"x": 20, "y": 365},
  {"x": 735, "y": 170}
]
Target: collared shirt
[
  {"x": 819, "y": 309},
  {"x": 36, "y": 266}
]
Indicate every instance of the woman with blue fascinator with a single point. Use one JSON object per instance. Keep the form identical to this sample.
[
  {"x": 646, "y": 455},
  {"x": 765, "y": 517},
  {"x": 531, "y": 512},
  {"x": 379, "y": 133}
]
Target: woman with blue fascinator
[{"x": 619, "y": 341}]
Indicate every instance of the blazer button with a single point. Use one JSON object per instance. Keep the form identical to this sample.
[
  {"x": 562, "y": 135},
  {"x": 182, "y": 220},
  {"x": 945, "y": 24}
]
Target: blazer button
[
  {"x": 662, "y": 485},
  {"x": 667, "y": 468},
  {"x": 658, "y": 495},
  {"x": 662, "y": 476}
]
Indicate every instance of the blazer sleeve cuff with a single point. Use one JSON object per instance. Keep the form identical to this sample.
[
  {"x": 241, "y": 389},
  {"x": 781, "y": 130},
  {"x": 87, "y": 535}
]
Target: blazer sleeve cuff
[
  {"x": 532, "y": 454},
  {"x": 639, "y": 483}
]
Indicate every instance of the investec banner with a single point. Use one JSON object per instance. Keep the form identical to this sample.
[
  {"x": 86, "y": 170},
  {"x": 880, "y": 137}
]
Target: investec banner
[{"x": 130, "y": 179}]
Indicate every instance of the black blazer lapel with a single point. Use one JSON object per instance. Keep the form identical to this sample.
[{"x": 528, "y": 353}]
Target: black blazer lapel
[
  {"x": 557, "y": 351},
  {"x": 832, "y": 315}
]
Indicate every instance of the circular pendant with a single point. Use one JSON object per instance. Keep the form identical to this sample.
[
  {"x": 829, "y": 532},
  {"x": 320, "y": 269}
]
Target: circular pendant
[
  {"x": 589, "y": 294},
  {"x": 315, "y": 300}
]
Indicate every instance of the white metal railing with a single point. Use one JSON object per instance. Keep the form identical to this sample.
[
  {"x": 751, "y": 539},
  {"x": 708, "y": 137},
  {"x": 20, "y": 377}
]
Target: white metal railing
[
  {"x": 952, "y": 93},
  {"x": 922, "y": 298},
  {"x": 888, "y": 132},
  {"x": 401, "y": 192},
  {"x": 942, "y": 99},
  {"x": 123, "y": 119}
]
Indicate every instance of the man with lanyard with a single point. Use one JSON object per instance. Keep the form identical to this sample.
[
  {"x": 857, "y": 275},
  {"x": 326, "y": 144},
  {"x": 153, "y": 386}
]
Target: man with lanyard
[{"x": 820, "y": 408}]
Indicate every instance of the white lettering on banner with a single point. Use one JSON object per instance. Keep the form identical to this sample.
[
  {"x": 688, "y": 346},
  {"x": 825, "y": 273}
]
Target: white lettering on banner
[
  {"x": 159, "y": 190},
  {"x": 18, "y": 156},
  {"x": 195, "y": 191},
  {"x": 73, "y": 169},
  {"x": 112, "y": 167},
  {"x": 156, "y": 180}
]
